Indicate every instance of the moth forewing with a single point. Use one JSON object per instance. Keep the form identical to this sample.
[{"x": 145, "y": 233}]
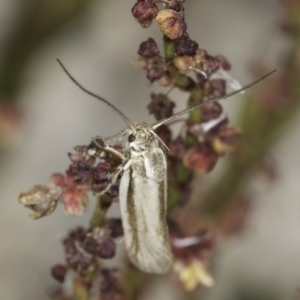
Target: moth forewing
[{"x": 143, "y": 202}]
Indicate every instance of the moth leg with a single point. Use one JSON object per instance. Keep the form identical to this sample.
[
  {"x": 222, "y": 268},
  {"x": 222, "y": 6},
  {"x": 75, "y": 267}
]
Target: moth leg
[
  {"x": 108, "y": 148},
  {"x": 113, "y": 180}
]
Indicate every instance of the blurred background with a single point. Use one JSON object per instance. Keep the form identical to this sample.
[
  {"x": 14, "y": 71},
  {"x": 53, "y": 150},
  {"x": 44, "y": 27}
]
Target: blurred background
[{"x": 43, "y": 116}]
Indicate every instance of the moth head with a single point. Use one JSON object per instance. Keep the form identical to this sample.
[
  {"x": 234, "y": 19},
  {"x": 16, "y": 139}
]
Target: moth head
[{"x": 141, "y": 138}]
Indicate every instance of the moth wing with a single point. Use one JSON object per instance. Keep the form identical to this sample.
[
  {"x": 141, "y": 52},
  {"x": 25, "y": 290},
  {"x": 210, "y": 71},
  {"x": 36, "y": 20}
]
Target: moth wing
[{"x": 143, "y": 198}]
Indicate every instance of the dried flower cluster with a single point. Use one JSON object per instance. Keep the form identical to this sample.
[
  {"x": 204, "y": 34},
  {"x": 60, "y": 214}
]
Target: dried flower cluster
[{"x": 204, "y": 138}]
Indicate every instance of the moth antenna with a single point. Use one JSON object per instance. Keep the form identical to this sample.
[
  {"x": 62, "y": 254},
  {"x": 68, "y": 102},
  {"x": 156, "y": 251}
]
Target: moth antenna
[
  {"x": 211, "y": 100},
  {"x": 125, "y": 119}
]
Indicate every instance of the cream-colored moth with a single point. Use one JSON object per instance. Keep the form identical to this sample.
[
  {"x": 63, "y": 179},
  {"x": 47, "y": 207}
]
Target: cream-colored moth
[{"x": 143, "y": 187}]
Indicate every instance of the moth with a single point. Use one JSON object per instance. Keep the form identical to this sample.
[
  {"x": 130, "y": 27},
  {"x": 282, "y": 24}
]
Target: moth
[{"x": 143, "y": 187}]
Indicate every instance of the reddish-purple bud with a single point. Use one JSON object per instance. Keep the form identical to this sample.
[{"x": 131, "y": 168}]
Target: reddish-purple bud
[
  {"x": 211, "y": 111},
  {"x": 75, "y": 201},
  {"x": 115, "y": 227},
  {"x": 101, "y": 172},
  {"x": 160, "y": 106},
  {"x": 144, "y": 12},
  {"x": 58, "y": 272},
  {"x": 175, "y": 5},
  {"x": 155, "y": 69},
  {"x": 148, "y": 49},
  {"x": 214, "y": 88},
  {"x": 80, "y": 170},
  {"x": 200, "y": 158},
  {"x": 58, "y": 179},
  {"x": 219, "y": 61},
  {"x": 185, "y": 46},
  {"x": 106, "y": 248}
]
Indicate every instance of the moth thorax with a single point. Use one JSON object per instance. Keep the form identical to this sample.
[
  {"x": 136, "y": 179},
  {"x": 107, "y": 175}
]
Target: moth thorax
[{"x": 142, "y": 139}]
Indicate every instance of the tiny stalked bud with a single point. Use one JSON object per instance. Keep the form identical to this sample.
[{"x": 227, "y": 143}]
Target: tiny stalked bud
[
  {"x": 155, "y": 69},
  {"x": 58, "y": 272},
  {"x": 144, "y": 12},
  {"x": 200, "y": 60},
  {"x": 215, "y": 88},
  {"x": 113, "y": 192},
  {"x": 200, "y": 158},
  {"x": 110, "y": 286},
  {"x": 174, "y": 4},
  {"x": 171, "y": 23},
  {"x": 75, "y": 201},
  {"x": 115, "y": 227},
  {"x": 148, "y": 49},
  {"x": 165, "y": 80},
  {"x": 80, "y": 170},
  {"x": 226, "y": 140},
  {"x": 106, "y": 248},
  {"x": 160, "y": 106},
  {"x": 185, "y": 46},
  {"x": 58, "y": 179},
  {"x": 219, "y": 61},
  {"x": 101, "y": 172},
  {"x": 211, "y": 111},
  {"x": 41, "y": 199},
  {"x": 177, "y": 148}
]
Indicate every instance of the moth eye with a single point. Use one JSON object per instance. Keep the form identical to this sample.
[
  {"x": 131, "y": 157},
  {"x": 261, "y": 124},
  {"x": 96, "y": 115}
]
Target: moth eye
[{"x": 131, "y": 138}]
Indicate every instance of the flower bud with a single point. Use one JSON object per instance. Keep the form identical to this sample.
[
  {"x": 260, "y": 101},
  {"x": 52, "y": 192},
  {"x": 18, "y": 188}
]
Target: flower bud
[
  {"x": 115, "y": 227},
  {"x": 144, "y": 12},
  {"x": 160, "y": 106},
  {"x": 148, "y": 49},
  {"x": 185, "y": 46},
  {"x": 171, "y": 23},
  {"x": 183, "y": 63},
  {"x": 106, "y": 248},
  {"x": 200, "y": 158},
  {"x": 226, "y": 140},
  {"x": 155, "y": 69},
  {"x": 75, "y": 201},
  {"x": 41, "y": 199},
  {"x": 58, "y": 179},
  {"x": 59, "y": 272},
  {"x": 211, "y": 111},
  {"x": 101, "y": 172},
  {"x": 215, "y": 88}
]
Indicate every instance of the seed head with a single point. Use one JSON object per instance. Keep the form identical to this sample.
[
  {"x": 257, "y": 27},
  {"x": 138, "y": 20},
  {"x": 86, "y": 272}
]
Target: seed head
[{"x": 41, "y": 199}]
